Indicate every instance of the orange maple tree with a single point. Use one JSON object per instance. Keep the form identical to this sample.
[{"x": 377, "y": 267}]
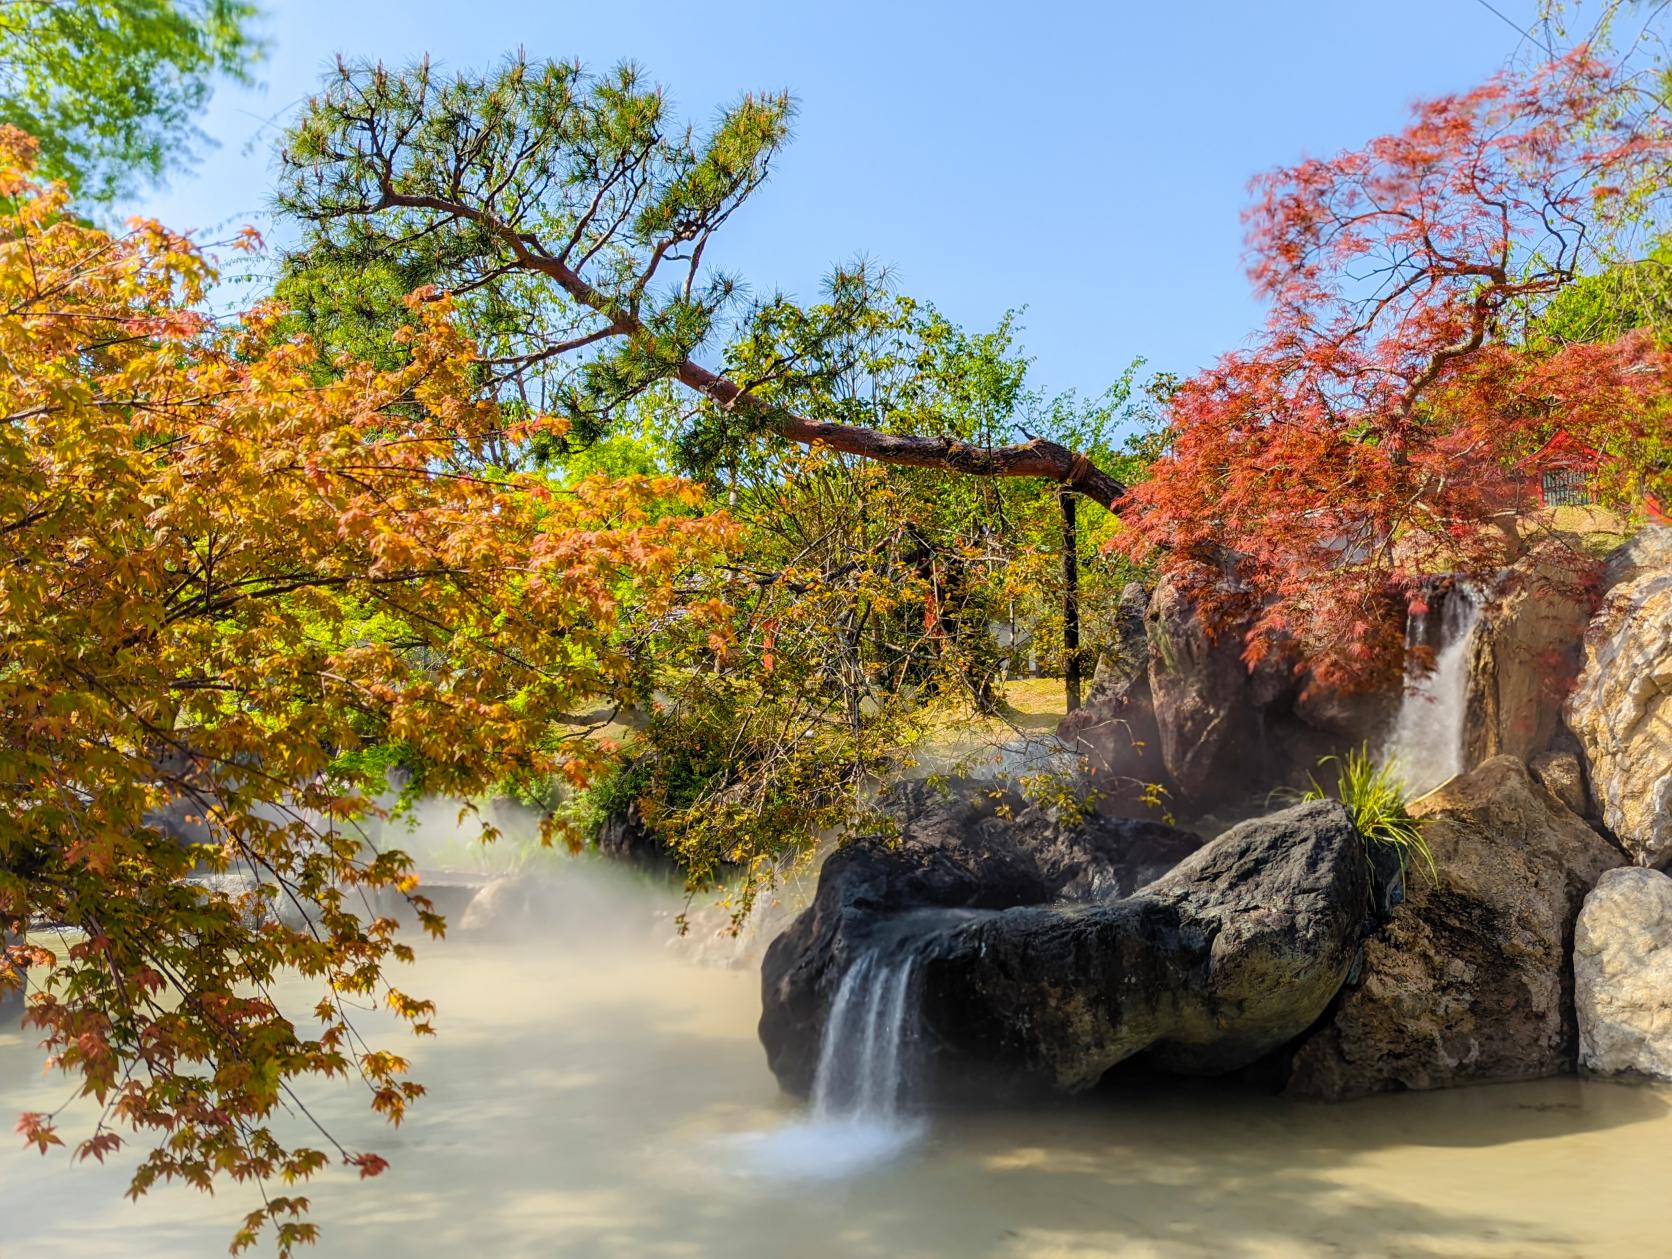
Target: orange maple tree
[
  {"x": 236, "y": 596},
  {"x": 1375, "y": 430}
]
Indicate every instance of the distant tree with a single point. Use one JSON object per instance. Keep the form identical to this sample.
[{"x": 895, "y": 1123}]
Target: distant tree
[
  {"x": 238, "y": 597},
  {"x": 1375, "y": 428},
  {"x": 1616, "y": 301},
  {"x": 868, "y": 600},
  {"x": 112, "y": 90}
]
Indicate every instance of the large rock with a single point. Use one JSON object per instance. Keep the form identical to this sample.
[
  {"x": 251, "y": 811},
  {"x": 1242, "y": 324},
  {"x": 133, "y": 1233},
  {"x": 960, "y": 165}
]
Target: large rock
[
  {"x": 1115, "y": 730},
  {"x": 1524, "y": 653},
  {"x": 1125, "y": 653},
  {"x": 1469, "y": 980},
  {"x": 1208, "y": 721},
  {"x": 1228, "y": 730},
  {"x": 1622, "y": 964},
  {"x": 626, "y": 836},
  {"x": 1047, "y": 953},
  {"x": 1621, "y": 708}
]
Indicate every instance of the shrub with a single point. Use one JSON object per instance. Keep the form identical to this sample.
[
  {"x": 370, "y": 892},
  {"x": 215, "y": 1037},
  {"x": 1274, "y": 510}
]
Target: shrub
[{"x": 1374, "y": 795}]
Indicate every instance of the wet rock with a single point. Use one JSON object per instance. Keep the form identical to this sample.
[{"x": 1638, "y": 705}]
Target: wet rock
[
  {"x": 1047, "y": 953},
  {"x": 1524, "y": 654},
  {"x": 1621, "y": 708},
  {"x": 1622, "y": 963},
  {"x": 1469, "y": 980}
]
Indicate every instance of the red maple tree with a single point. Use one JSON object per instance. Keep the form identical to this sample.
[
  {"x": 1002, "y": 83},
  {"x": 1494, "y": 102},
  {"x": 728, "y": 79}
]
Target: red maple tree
[{"x": 1374, "y": 429}]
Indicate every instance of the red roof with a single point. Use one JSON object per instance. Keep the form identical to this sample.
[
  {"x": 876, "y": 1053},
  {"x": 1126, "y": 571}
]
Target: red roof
[{"x": 1563, "y": 451}]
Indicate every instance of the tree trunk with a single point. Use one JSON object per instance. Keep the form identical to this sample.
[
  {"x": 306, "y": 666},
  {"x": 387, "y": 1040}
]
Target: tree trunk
[{"x": 1070, "y": 599}]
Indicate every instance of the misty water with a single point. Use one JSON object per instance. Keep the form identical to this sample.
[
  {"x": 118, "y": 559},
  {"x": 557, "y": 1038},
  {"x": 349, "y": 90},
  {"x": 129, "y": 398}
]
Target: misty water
[{"x": 597, "y": 1090}]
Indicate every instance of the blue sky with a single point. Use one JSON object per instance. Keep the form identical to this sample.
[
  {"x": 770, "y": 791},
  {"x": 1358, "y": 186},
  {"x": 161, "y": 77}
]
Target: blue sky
[{"x": 1086, "y": 161}]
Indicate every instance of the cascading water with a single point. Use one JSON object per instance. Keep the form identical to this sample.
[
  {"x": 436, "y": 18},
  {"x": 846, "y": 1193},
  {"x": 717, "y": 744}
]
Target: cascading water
[
  {"x": 862, "y": 1055},
  {"x": 1426, "y": 743},
  {"x": 856, "y": 1120}
]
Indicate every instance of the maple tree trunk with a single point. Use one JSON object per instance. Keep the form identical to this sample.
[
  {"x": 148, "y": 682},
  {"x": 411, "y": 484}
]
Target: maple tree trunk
[{"x": 1070, "y": 599}]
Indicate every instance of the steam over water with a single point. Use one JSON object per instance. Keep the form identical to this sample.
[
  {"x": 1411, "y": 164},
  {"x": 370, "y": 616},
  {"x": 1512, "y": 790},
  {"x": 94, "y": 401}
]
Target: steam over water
[
  {"x": 595, "y": 1094},
  {"x": 1426, "y": 744}
]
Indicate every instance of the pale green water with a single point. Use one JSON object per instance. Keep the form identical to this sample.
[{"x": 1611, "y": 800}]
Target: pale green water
[{"x": 589, "y": 1101}]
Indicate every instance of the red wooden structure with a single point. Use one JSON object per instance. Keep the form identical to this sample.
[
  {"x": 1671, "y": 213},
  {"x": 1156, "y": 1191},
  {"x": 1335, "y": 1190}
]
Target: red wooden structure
[{"x": 1561, "y": 469}]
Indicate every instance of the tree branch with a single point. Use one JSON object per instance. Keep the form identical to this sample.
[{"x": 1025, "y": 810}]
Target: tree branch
[{"x": 1035, "y": 458}]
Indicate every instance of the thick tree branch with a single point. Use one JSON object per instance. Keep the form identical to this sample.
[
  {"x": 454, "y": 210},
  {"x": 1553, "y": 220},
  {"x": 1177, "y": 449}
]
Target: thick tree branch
[{"x": 1035, "y": 458}]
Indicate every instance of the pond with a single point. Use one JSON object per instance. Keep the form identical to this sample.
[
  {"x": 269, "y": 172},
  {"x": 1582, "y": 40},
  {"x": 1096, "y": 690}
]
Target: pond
[{"x": 597, "y": 1092}]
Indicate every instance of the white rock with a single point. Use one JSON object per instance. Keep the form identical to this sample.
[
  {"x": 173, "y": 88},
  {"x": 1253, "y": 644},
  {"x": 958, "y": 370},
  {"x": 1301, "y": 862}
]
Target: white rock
[
  {"x": 1621, "y": 709},
  {"x": 502, "y": 905},
  {"x": 1622, "y": 967}
]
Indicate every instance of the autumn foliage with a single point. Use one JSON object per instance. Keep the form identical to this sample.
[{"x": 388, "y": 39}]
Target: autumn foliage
[
  {"x": 254, "y": 582},
  {"x": 237, "y": 596},
  {"x": 1375, "y": 429}
]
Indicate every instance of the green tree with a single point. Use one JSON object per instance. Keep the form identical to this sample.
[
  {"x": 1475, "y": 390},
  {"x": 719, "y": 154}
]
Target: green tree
[
  {"x": 571, "y": 214},
  {"x": 111, "y": 89},
  {"x": 1609, "y": 304},
  {"x": 864, "y": 596}
]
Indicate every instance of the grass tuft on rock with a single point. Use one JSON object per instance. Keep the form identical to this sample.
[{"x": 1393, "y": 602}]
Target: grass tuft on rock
[{"x": 1375, "y": 796}]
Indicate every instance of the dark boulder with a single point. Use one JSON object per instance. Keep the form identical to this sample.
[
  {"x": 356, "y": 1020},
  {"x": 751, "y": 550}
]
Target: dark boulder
[
  {"x": 1046, "y": 953},
  {"x": 1193, "y": 717},
  {"x": 1201, "y": 690},
  {"x": 625, "y": 836},
  {"x": 1125, "y": 653},
  {"x": 1115, "y": 730}
]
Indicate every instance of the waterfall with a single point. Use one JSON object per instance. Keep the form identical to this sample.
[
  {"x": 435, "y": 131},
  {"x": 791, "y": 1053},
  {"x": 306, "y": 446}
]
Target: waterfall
[
  {"x": 1426, "y": 743},
  {"x": 862, "y": 1054},
  {"x": 856, "y": 1121}
]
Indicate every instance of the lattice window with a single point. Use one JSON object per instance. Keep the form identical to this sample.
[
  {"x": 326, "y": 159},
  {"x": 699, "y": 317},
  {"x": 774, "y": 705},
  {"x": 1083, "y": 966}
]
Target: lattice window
[{"x": 1566, "y": 487}]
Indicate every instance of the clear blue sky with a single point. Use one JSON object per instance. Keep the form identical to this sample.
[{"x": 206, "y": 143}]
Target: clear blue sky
[{"x": 1088, "y": 161}]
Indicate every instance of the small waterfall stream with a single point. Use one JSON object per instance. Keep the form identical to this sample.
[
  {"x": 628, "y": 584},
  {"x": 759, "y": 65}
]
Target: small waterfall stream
[
  {"x": 856, "y": 1120},
  {"x": 862, "y": 1055},
  {"x": 1425, "y": 745}
]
